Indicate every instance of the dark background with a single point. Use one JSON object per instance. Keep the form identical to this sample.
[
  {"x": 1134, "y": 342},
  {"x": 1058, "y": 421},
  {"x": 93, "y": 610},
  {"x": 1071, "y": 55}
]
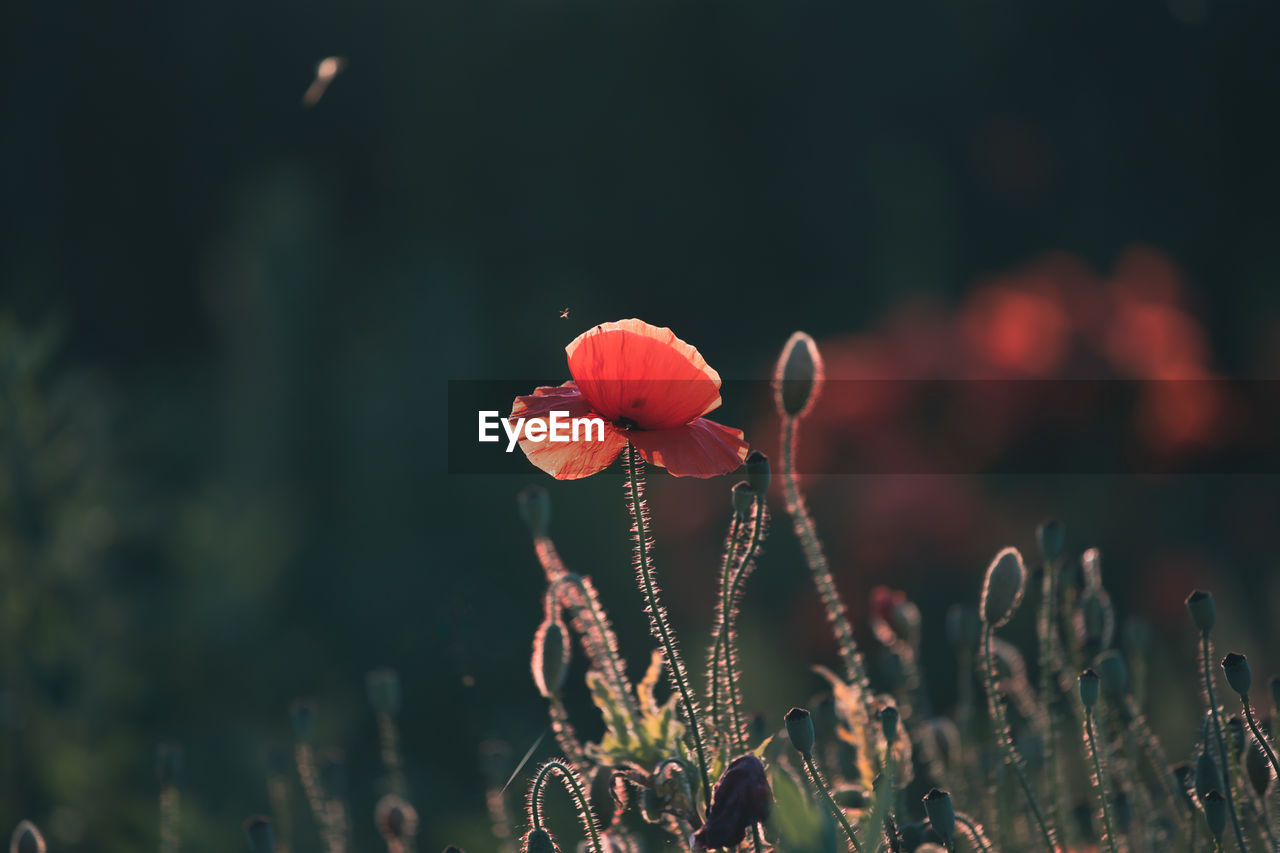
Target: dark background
[{"x": 230, "y": 322}]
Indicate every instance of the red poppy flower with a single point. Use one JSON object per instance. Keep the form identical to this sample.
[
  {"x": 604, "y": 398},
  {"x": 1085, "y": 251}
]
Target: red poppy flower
[{"x": 650, "y": 388}]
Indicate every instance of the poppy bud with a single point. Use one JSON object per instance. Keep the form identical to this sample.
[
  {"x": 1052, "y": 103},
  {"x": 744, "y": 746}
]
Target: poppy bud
[
  {"x": 1256, "y": 766},
  {"x": 743, "y": 497},
  {"x": 941, "y": 813},
  {"x": 1207, "y": 776},
  {"x": 1113, "y": 672},
  {"x": 26, "y": 839},
  {"x": 1051, "y": 539},
  {"x": 539, "y": 841},
  {"x": 302, "y": 714},
  {"x": 889, "y": 724},
  {"x": 1089, "y": 688},
  {"x": 1236, "y": 668},
  {"x": 383, "y": 687},
  {"x": 1200, "y": 606},
  {"x": 550, "y": 657},
  {"x": 800, "y": 730},
  {"x": 758, "y": 472},
  {"x": 1091, "y": 566},
  {"x": 740, "y": 800},
  {"x": 1215, "y": 813},
  {"x": 535, "y": 509},
  {"x": 758, "y": 728},
  {"x": 1002, "y": 588},
  {"x": 260, "y": 834},
  {"x": 1093, "y": 617},
  {"x": 963, "y": 626},
  {"x": 798, "y": 378},
  {"x": 168, "y": 762},
  {"x": 397, "y": 821}
]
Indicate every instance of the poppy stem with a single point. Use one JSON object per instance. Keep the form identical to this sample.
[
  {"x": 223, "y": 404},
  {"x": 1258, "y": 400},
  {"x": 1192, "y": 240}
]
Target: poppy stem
[
  {"x": 659, "y": 624},
  {"x": 820, "y": 785},
  {"x": 719, "y": 674},
  {"x": 1099, "y": 782},
  {"x": 973, "y": 831},
  {"x": 1206, "y": 655},
  {"x": 1258, "y": 735},
  {"x": 759, "y": 516},
  {"x": 1050, "y": 662},
  {"x": 566, "y": 773},
  {"x": 578, "y": 596}
]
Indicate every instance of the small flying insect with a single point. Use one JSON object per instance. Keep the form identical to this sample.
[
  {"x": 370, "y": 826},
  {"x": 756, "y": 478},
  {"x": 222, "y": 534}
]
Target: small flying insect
[
  {"x": 326, "y": 70},
  {"x": 564, "y": 314}
]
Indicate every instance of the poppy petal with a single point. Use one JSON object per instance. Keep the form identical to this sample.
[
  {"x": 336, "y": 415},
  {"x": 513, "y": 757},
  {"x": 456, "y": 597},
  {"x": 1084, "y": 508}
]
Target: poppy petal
[
  {"x": 632, "y": 371},
  {"x": 565, "y": 460},
  {"x": 700, "y": 449}
]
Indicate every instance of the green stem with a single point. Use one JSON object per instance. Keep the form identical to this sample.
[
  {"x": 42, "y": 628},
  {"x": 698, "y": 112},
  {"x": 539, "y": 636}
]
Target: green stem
[
  {"x": 658, "y": 624},
  {"x": 1099, "y": 783},
  {"x": 1258, "y": 736},
  {"x": 735, "y": 696},
  {"x": 973, "y": 832},
  {"x": 567, "y": 775},
  {"x": 718, "y": 672},
  {"x": 1206, "y": 654},
  {"x": 602, "y": 645},
  {"x": 821, "y": 787},
  {"x": 1005, "y": 737},
  {"x": 1048, "y": 664}
]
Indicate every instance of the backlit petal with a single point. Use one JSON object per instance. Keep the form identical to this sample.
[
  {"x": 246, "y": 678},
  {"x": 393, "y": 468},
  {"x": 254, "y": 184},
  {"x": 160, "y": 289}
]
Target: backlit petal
[
  {"x": 702, "y": 448},
  {"x": 569, "y": 460},
  {"x": 642, "y": 373}
]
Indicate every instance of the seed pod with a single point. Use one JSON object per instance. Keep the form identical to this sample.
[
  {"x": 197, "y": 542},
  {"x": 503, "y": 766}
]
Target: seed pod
[
  {"x": 539, "y": 841},
  {"x": 26, "y": 839},
  {"x": 941, "y": 812},
  {"x": 260, "y": 834},
  {"x": 797, "y": 381},
  {"x": 758, "y": 474},
  {"x": 535, "y": 509},
  {"x": 550, "y": 657},
  {"x": 383, "y": 687},
  {"x": 800, "y": 729},
  {"x": 743, "y": 497},
  {"x": 1003, "y": 587},
  {"x": 889, "y": 724},
  {"x": 1236, "y": 668},
  {"x": 1051, "y": 539},
  {"x": 1215, "y": 813},
  {"x": 1256, "y": 765},
  {"x": 1089, "y": 682},
  {"x": 1207, "y": 776},
  {"x": 1200, "y": 606}
]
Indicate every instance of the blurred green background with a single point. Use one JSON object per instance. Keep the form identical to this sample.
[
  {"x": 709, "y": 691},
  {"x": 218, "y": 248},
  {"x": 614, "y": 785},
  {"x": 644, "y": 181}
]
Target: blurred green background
[{"x": 229, "y": 321}]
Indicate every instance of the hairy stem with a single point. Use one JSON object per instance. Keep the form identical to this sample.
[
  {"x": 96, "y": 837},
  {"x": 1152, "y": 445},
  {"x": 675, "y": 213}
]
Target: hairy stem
[
  {"x": 820, "y": 786},
  {"x": 973, "y": 831},
  {"x": 1099, "y": 782},
  {"x": 580, "y": 801},
  {"x": 1048, "y": 664},
  {"x": 739, "y": 738},
  {"x": 1206, "y": 655},
  {"x": 1258, "y": 736},
  {"x": 658, "y": 622},
  {"x": 719, "y": 675}
]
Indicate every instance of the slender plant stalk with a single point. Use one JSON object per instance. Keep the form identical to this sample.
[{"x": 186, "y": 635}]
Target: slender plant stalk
[
  {"x": 1099, "y": 781},
  {"x": 1048, "y": 664},
  {"x": 719, "y": 675},
  {"x": 578, "y": 596},
  {"x": 1259, "y": 738},
  {"x": 169, "y": 809},
  {"x": 973, "y": 831},
  {"x": 658, "y": 622},
  {"x": 566, "y": 737},
  {"x": 1005, "y": 737},
  {"x": 1206, "y": 655},
  {"x": 734, "y": 697},
  {"x": 1155, "y": 754},
  {"x": 820, "y": 786},
  {"x": 311, "y": 788},
  {"x": 569, "y": 777}
]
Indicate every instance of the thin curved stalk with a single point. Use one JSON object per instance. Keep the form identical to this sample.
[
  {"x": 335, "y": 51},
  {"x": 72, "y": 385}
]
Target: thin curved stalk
[
  {"x": 555, "y": 767},
  {"x": 820, "y": 786},
  {"x": 1259, "y": 738},
  {"x": 1206, "y": 655},
  {"x": 1099, "y": 781},
  {"x": 973, "y": 831}
]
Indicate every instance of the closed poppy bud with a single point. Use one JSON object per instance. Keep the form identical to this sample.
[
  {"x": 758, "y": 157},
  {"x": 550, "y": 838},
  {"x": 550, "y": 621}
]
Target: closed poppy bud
[
  {"x": 383, "y": 686},
  {"x": 963, "y": 626},
  {"x": 26, "y": 839},
  {"x": 1113, "y": 672},
  {"x": 798, "y": 378},
  {"x": 302, "y": 714},
  {"x": 550, "y": 657},
  {"x": 1002, "y": 588},
  {"x": 168, "y": 762},
  {"x": 758, "y": 474},
  {"x": 1051, "y": 539},
  {"x": 539, "y": 841},
  {"x": 260, "y": 834},
  {"x": 1256, "y": 766},
  {"x": 743, "y": 497},
  {"x": 1215, "y": 813},
  {"x": 739, "y": 801},
  {"x": 1200, "y": 606},
  {"x": 535, "y": 509},
  {"x": 396, "y": 820},
  {"x": 889, "y": 724},
  {"x": 941, "y": 813},
  {"x": 1207, "y": 776},
  {"x": 1089, "y": 688},
  {"x": 800, "y": 730},
  {"x": 1236, "y": 668},
  {"x": 1093, "y": 617}
]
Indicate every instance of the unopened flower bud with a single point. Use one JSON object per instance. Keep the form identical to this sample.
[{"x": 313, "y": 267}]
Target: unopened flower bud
[
  {"x": 539, "y": 841},
  {"x": 168, "y": 762},
  {"x": 1093, "y": 617},
  {"x": 302, "y": 714},
  {"x": 740, "y": 800},
  {"x": 535, "y": 509},
  {"x": 383, "y": 687},
  {"x": 1113, "y": 672},
  {"x": 797, "y": 381},
  {"x": 1051, "y": 539},
  {"x": 1200, "y": 606},
  {"x": 1236, "y": 668},
  {"x": 1256, "y": 766},
  {"x": 1002, "y": 588},
  {"x": 743, "y": 497},
  {"x": 758, "y": 474},
  {"x": 1215, "y": 813},
  {"x": 1207, "y": 776},
  {"x": 1091, "y": 566},
  {"x": 260, "y": 834},
  {"x": 889, "y": 724},
  {"x": 1089, "y": 688},
  {"x": 800, "y": 730},
  {"x": 941, "y": 813},
  {"x": 26, "y": 839},
  {"x": 396, "y": 820},
  {"x": 550, "y": 657}
]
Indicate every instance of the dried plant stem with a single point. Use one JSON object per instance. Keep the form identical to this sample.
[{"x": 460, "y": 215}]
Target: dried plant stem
[
  {"x": 1005, "y": 737},
  {"x": 1099, "y": 781},
  {"x": 573, "y": 785},
  {"x": 1206, "y": 655},
  {"x": 973, "y": 831},
  {"x": 806, "y": 532},
  {"x": 820, "y": 787},
  {"x": 658, "y": 622}
]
